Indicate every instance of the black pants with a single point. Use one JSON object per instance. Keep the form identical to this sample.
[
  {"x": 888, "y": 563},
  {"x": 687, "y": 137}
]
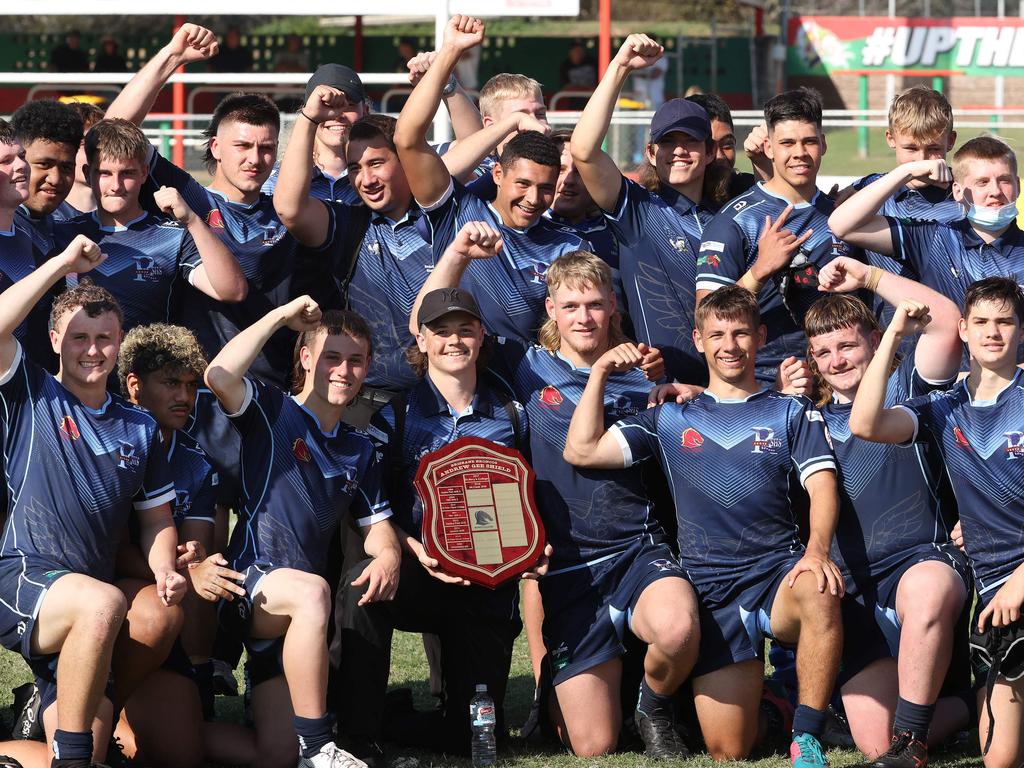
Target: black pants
[{"x": 476, "y": 627}]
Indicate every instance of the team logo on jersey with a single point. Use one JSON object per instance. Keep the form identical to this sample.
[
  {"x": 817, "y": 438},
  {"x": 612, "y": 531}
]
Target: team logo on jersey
[
  {"x": 1014, "y": 444},
  {"x": 69, "y": 429},
  {"x": 373, "y": 247},
  {"x": 301, "y": 450},
  {"x": 679, "y": 243},
  {"x": 711, "y": 259},
  {"x": 740, "y": 205},
  {"x": 839, "y": 248},
  {"x": 691, "y": 438},
  {"x": 538, "y": 273},
  {"x": 214, "y": 220},
  {"x": 126, "y": 458},
  {"x": 146, "y": 270},
  {"x": 182, "y": 501},
  {"x": 765, "y": 440},
  {"x": 271, "y": 234},
  {"x": 550, "y": 397},
  {"x": 960, "y": 439}
]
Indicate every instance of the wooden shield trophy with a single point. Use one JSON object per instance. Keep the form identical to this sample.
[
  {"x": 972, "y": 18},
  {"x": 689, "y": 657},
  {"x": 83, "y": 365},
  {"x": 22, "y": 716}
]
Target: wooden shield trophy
[{"x": 480, "y": 520}]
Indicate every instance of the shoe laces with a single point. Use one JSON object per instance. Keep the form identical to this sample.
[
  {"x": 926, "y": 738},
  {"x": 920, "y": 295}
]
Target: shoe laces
[
  {"x": 901, "y": 742},
  {"x": 339, "y": 758},
  {"x": 810, "y": 749}
]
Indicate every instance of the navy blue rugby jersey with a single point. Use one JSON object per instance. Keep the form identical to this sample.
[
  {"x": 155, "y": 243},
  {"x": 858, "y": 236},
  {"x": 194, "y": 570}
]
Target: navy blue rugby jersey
[
  {"x": 266, "y": 254},
  {"x": 589, "y": 515},
  {"x": 74, "y": 473},
  {"x": 728, "y": 463},
  {"x": 509, "y": 288},
  {"x": 659, "y": 235},
  {"x": 429, "y": 423},
  {"x": 393, "y": 262},
  {"x": 195, "y": 480},
  {"x": 729, "y": 249},
  {"x": 148, "y": 260},
  {"x": 982, "y": 443},
  {"x": 298, "y": 482},
  {"x": 949, "y": 257},
  {"x": 890, "y": 495},
  {"x": 39, "y": 228},
  {"x": 18, "y": 259}
]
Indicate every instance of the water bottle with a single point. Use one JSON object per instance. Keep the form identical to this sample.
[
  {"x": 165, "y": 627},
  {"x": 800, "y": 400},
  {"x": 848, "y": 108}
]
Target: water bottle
[{"x": 482, "y": 719}]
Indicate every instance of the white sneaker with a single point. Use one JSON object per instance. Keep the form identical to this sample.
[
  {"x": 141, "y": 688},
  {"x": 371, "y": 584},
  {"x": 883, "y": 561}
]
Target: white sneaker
[{"x": 331, "y": 756}]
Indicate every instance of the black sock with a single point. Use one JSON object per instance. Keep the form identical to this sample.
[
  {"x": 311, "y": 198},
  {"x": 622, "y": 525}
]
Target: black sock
[
  {"x": 71, "y": 749},
  {"x": 916, "y": 718},
  {"x": 809, "y": 720},
  {"x": 313, "y": 733},
  {"x": 651, "y": 703}
]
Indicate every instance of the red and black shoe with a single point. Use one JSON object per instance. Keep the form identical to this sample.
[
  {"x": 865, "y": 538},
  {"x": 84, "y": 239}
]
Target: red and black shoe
[{"x": 905, "y": 751}]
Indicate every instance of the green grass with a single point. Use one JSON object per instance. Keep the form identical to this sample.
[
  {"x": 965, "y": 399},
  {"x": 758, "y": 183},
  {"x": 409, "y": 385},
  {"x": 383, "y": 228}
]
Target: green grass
[{"x": 408, "y": 669}]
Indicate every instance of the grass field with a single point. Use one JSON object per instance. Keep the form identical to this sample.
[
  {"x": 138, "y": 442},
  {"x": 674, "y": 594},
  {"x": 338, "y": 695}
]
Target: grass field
[{"x": 409, "y": 670}]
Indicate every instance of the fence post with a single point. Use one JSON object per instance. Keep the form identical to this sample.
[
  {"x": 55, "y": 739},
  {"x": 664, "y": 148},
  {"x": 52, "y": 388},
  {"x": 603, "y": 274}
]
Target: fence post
[
  {"x": 862, "y": 129},
  {"x": 165, "y": 139}
]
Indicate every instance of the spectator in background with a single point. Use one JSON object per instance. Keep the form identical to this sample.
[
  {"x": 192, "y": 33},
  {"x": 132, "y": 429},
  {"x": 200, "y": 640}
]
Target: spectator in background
[
  {"x": 579, "y": 70},
  {"x": 69, "y": 56},
  {"x": 109, "y": 59},
  {"x": 293, "y": 58},
  {"x": 233, "y": 56},
  {"x": 406, "y": 50}
]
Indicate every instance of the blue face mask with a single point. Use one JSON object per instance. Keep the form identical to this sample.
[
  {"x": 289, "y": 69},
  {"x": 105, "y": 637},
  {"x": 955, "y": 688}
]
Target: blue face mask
[{"x": 991, "y": 219}]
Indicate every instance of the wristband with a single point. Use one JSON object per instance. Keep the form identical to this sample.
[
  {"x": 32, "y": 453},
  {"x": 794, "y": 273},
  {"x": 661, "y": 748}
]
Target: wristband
[
  {"x": 450, "y": 87},
  {"x": 750, "y": 282},
  {"x": 303, "y": 113},
  {"x": 874, "y": 275}
]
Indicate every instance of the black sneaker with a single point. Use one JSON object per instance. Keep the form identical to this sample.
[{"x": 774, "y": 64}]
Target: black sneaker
[
  {"x": 224, "y": 682},
  {"x": 28, "y": 722},
  {"x": 905, "y": 751},
  {"x": 116, "y": 758},
  {"x": 9, "y": 762},
  {"x": 661, "y": 739}
]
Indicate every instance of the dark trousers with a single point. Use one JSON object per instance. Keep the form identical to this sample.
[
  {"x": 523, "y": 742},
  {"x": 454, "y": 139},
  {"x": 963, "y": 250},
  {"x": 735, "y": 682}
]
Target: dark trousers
[{"x": 476, "y": 628}]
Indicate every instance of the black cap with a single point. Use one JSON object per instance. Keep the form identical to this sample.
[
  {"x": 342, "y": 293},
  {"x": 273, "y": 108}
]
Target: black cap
[
  {"x": 337, "y": 76},
  {"x": 680, "y": 115},
  {"x": 439, "y": 303}
]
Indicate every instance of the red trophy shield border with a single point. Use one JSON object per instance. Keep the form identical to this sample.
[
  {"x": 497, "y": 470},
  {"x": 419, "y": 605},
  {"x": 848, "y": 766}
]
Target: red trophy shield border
[{"x": 462, "y": 513}]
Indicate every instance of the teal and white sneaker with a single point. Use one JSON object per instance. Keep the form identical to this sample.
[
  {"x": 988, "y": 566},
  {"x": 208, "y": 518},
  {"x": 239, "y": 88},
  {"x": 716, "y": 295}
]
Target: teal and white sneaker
[{"x": 806, "y": 752}]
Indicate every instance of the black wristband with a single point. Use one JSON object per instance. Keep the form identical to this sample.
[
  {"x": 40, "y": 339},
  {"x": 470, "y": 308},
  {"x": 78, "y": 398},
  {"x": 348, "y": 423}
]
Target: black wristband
[{"x": 303, "y": 113}]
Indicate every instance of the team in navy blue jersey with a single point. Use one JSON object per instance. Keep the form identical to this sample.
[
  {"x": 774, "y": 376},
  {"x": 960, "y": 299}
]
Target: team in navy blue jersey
[{"x": 897, "y": 494}]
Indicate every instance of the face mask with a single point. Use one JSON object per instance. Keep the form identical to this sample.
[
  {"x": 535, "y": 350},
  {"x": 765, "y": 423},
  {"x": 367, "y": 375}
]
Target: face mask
[{"x": 992, "y": 219}]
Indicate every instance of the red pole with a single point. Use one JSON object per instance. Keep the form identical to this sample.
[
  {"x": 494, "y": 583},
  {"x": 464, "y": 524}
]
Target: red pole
[
  {"x": 759, "y": 22},
  {"x": 357, "y": 53},
  {"x": 178, "y": 94},
  {"x": 604, "y": 44}
]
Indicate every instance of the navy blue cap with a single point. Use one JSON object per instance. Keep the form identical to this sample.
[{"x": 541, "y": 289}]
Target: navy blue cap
[
  {"x": 337, "y": 76},
  {"x": 680, "y": 115}
]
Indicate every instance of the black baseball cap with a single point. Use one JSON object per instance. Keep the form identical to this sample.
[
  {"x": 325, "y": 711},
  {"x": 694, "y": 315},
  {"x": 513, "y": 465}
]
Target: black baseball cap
[
  {"x": 680, "y": 115},
  {"x": 337, "y": 76},
  {"x": 442, "y": 301}
]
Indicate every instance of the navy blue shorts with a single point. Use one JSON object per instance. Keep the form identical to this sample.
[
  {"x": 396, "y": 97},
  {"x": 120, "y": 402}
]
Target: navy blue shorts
[
  {"x": 588, "y": 608},
  {"x": 735, "y": 615},
  {"x": 871, "y": 625},
  {"x": 23, "y": 585},
  {"x": 235, "y": 618}
]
